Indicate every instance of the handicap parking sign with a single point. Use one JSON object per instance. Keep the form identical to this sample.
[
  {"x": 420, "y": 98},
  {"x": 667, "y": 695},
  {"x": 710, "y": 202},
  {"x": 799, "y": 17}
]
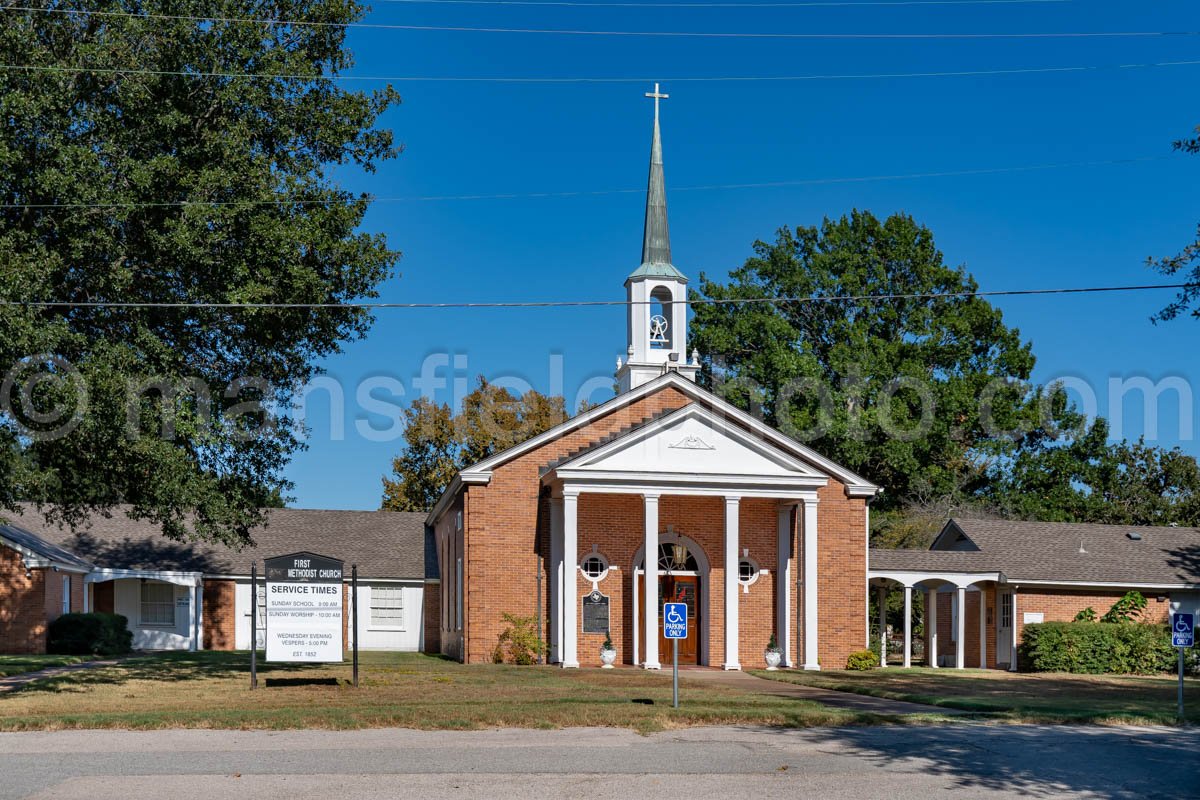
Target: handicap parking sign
[
  {"x": 1183, "y": 630},
  {"x": 675, "y": 620}
]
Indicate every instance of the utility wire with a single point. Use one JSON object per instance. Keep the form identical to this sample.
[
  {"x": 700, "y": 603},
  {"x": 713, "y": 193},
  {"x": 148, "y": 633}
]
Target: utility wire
[
  {"x": 537, "y": 80},
  {"x": 371, "y": 306},
  {"x": 577, "y": 32},
  {"x": 592, "y": 192},
  {"x": 829, "y": 4}
]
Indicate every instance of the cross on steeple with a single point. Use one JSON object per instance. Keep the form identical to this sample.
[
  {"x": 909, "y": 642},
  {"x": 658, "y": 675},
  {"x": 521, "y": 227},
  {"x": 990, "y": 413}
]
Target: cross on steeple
[{"x": 657, "y": 96}]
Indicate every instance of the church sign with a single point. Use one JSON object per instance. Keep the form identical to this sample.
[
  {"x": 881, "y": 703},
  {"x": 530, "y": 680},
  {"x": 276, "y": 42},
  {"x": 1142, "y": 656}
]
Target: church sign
[
  {"x": 595, "y": 613},
  {"x": 304, "y": 608}
]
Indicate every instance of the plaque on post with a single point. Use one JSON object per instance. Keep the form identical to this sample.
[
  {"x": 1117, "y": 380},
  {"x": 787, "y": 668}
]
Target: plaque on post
[
  {"x": 595, "y": 613},
  {"x": 304, "y": 608}
]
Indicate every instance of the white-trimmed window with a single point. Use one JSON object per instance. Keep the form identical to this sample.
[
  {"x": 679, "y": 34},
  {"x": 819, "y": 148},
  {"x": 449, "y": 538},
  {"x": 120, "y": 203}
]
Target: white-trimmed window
[
  {"x": 158, "y": 604},
  {"x": 594, "y": 566},
  {"x": 387, "y": 606},
  {"x": 954, "y": 617},
  {"x": 748, "y": 571},
  {"x": 66, "y": 598}
]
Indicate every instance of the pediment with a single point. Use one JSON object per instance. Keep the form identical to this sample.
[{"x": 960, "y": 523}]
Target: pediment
[{"x": 692, "y": 441}]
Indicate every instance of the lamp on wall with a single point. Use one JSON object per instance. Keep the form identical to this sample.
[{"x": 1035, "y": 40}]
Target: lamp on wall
[{"x": 679, "y": 556}]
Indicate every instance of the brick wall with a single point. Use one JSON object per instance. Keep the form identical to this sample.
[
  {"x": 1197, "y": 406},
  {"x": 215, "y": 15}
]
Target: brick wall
[
  {"x": 841, "y": 575},
  {"x": 432, "y": 620},
  {"x": 220, "y": 615},
  {"x": 22, "y": 605}
]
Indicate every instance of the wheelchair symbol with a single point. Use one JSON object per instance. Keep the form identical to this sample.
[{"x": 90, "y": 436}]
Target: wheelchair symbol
[
  {"x": 673, "y": 616},
  {"x": 1183, "y": 624}
]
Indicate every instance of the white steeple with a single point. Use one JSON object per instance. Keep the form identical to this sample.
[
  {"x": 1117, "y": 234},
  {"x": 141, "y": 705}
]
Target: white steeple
[{"x": 657, "y": 313}]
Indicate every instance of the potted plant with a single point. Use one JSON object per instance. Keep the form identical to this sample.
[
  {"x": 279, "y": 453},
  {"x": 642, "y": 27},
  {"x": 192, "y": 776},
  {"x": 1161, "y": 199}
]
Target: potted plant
[
  {"x": 772, "y": 655},
  {"x": 608, "y": 653}
]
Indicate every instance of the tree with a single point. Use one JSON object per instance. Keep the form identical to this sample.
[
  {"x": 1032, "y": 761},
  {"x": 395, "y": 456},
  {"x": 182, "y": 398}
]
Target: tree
[
  {"x": 892, "y": 387},
  {"x": 1186, "y": 261},
  {"x": 157, "y": 174},
  {"x": 1090, "y": 479},
  {"x": 439, "y": 444}
]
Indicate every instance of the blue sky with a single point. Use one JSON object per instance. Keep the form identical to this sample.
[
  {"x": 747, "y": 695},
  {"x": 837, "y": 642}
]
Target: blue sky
[{"x": 1065, "y": 226}]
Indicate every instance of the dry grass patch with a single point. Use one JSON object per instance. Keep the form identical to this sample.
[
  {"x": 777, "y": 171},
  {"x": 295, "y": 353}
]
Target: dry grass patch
[
  {"x": 211, "y": 690},
  {"x": 17, "y": 665}
]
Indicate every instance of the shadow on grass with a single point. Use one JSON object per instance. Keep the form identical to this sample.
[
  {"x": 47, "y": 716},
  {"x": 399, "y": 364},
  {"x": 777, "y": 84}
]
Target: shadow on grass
[{"x": 301, "y": 682}]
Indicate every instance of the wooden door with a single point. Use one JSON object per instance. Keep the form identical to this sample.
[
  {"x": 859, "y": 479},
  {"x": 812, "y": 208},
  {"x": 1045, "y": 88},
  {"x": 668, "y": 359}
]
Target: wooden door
[{"x": 676, "y": 589}]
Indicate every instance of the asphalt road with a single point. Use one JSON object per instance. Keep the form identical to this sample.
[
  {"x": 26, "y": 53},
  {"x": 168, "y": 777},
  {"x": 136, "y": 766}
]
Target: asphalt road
[{"x": 893, "y": 762}]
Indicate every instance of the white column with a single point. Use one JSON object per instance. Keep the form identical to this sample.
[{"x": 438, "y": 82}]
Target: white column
[
  {"x": 652, "y": 610},
  {"x": 556, "y": 576},
  {"x": 192, "y": 603},
  {"x": 960, "y": 633},
  {"x": 810, "y": 585},
  {"x": 907, "y": 627},
  {"x": 200, "y": 613},
  {"x": 881, "y": 600},
  {"x": 1012, "y": 630},
  {"x": 731, "y": 583},
  {"x": 783, "y": 584},
  {"x": 982, "y": 628},
  {"x": 570, "y": 596},
  {"x": 931, "y": 626}
]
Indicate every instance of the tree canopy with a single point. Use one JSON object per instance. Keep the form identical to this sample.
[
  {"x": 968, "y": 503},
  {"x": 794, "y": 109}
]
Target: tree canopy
[
  {"x": 1186, "y": 262},
  {"x": 438, "y": 443},
  {"x": 138, "y": 165}
]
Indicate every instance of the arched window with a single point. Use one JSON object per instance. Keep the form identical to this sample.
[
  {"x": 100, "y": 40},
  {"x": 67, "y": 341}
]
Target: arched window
[
  {"x": 594, "y": 566},
  {"x": 674, "y": 557},
  {"x": 660, "y": 318}
]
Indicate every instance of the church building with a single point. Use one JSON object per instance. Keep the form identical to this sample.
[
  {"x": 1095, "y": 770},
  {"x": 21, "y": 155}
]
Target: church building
[{"x": 664, "y": 493}]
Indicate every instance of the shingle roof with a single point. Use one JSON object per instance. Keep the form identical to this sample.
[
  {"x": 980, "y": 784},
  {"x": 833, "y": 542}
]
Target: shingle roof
[
  {"x": 931, "y": 561},
  {"x": 384, "y": 544},
  {"x": 1050, "y": 551},
  {"x": 47, "y": 550}
]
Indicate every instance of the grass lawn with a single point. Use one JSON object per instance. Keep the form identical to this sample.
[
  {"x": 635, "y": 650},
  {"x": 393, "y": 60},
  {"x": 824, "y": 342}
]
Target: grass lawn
[
  {"x": 211, "y": 690},
  {"x": 15, "y": 665},
  {"x": 1020, "y": 697}
]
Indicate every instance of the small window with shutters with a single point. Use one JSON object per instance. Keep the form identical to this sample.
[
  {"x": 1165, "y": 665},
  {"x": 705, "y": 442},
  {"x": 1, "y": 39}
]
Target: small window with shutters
[{"x": 387, "y": 607}]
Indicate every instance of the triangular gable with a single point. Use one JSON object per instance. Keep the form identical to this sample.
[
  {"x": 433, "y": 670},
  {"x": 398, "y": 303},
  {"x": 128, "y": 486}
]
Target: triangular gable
[{"x": 696, "y": 441}]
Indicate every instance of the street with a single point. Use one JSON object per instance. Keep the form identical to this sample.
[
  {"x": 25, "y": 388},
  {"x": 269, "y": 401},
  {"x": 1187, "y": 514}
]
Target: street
[{"x": 869, "y": 762}]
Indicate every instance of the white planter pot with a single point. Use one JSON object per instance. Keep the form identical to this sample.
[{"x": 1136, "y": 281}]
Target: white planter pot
[
  {"x": 772, "y": 657},
  {"x": 607, "y": 657}
]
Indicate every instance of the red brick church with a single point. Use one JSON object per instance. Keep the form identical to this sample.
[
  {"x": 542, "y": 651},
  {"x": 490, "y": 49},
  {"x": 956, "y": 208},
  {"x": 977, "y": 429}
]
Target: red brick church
[{"x": 667, "y": 492}]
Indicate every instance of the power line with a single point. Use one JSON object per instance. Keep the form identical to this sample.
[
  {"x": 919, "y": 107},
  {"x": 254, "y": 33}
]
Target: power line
[
  {"x": 581, "y": 79},
  {"x": 579, "y": 32},
  {"x": 593, "y": 192},
  {"x": 829, "y": 4},
  {"x": 373, "y": 306}
]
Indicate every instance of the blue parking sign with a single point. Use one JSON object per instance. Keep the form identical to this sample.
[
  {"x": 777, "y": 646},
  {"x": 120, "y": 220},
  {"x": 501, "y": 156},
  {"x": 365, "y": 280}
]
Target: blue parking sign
[
  {"x": 675, "y": 620},
  {"x": 1183, "y": 630}
]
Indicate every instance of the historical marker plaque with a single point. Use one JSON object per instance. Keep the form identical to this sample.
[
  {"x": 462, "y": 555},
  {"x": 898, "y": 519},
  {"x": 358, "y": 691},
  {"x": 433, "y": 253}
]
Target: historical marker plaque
[
  {"x": 304, "y": 608},
  {"x": 595, "y": 613}
]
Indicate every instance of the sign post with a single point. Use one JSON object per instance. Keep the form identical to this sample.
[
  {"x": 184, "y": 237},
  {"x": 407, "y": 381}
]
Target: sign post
[
  {"x": 354, "y": 615},
  {"x": 304, "y": 608},
  {"x": 254, "y": 625},
  {"x": 1183, "y": 635},
  {"x": 675, "y": 627}
]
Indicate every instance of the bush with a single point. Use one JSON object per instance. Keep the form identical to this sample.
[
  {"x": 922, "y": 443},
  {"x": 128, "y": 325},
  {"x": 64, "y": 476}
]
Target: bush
[
  {"x": 1097, "y": 648},
  {"x": 90, "y": 634},
  {"x": 519, "y": 643},
  {"x": 863, "y": 660}
]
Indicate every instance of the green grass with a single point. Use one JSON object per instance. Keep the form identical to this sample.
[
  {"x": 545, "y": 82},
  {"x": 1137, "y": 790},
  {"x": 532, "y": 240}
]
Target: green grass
[
  {"x": 1021, "y": 697},
  {"x": 16, "y": 665},
  {"x": 211, "y": 690}
]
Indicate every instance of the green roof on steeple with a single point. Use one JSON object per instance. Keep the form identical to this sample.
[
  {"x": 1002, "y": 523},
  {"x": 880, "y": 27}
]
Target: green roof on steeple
[{"x": 656, "y": 237}]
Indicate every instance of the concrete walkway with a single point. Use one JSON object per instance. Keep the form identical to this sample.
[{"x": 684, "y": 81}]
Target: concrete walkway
[
  {"x": 14, "y": 682},
  {"x": 856, "y": 702}
]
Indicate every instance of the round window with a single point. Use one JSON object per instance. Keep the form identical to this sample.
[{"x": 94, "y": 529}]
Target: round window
[
  {"x": 594, "y": 566},
  {"x": 747, "y": 572}
]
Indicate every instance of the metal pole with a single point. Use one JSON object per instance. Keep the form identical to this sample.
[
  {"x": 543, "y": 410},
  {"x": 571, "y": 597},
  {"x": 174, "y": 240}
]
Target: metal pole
[
  {"x": 675, "y": 670},
  {"x": 254, "y": 625},
  {"x": 1181, "y": 684},
  {"x": 354, "y": 615},
  {"x": 540, "y": 628}
]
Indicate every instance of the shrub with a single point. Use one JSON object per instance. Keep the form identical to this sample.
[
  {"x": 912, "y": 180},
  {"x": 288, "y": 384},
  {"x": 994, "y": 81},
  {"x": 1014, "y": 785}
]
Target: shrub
[
  {"x": 772, "y": 645},
  {"x": 90, "y": 634},
  {"x": 1127, "y": 609},
  {"x": 519, "y": 643},
  {"x": 1096, "y": 648},
  {"x": 1086, "y": 615},
  {"x": 862, "y": 660}
]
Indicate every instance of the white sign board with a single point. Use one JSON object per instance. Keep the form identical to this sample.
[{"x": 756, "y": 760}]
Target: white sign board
[
  {"x": 1033, "y": 617},
  {"x": 304, "y": 608}
]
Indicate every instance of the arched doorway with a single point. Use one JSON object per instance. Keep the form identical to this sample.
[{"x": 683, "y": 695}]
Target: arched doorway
[{"x": 683, "y": 578}]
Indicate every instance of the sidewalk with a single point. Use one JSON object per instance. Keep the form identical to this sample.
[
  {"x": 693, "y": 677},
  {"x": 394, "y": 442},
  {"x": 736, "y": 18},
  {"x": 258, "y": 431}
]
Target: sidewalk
[
  {"x": 857, "y": 702},
  {"x": 14, "y": 682}
]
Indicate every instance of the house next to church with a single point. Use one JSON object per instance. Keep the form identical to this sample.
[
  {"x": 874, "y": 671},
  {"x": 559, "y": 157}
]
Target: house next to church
[{"x": 665, "y": 492}]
